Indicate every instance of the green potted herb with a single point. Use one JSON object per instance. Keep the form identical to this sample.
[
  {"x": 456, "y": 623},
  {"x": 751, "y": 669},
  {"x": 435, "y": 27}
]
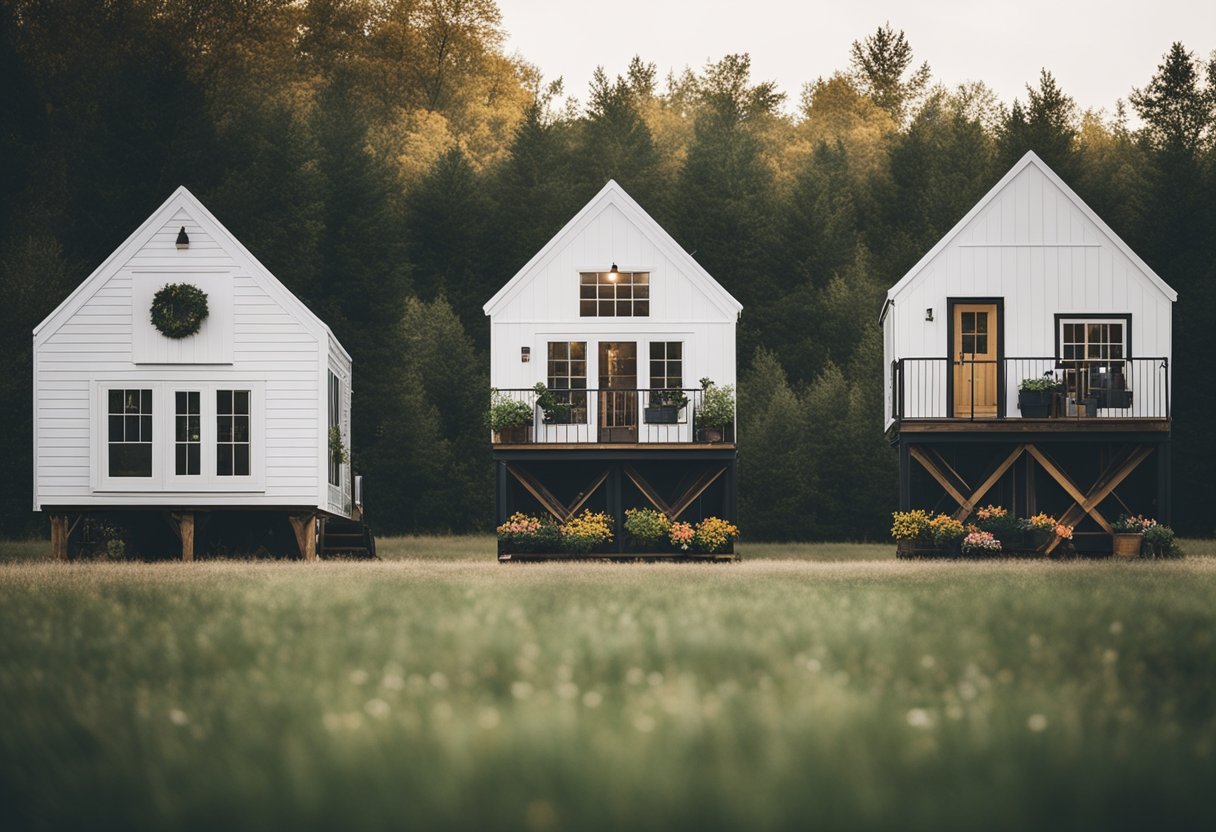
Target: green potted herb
[
  {"x": 1035, "y": 396},
  {"x": 647, "y": 529},
  {"x": 716, "y": 411},
  {"x": 508, "y": 418}
]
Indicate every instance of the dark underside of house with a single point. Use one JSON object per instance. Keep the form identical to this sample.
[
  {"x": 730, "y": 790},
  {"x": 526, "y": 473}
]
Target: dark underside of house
[
  {"x": 1084, "y": 471},
  {"x": 687, "y": 482}
]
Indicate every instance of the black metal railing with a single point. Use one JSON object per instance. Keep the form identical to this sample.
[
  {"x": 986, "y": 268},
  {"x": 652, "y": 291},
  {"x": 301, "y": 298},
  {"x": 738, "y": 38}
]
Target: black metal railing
[
  {"x": 977, "y": 389},
  {"x": 611, "y": 416}
]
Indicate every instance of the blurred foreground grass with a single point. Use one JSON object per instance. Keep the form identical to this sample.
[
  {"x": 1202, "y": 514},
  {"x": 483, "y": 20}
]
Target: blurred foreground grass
[{"x": 458, "y": 693}]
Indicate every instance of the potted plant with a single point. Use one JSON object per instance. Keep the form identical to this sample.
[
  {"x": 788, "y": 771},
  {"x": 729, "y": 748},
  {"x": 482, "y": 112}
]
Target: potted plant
[
  {"x": 555, "y": 410},
  {"x": 1128, "y": 537},
  {"x": 1035, "y": 396},
  {"x": 717, "y": 410},
  {"x": 508, "y": 418},
  {"x": 912, "y": 533},
  {"x": 647, "y": 529},
  {"x": 664, "y": 406},
  {"x": 947, "y": 533}
]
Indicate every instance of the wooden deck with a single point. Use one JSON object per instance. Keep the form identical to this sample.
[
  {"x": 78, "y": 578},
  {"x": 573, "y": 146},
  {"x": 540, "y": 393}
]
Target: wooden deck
[
  {"x": 1094, "y": 424},
  {"x": 613, "y": 446}
]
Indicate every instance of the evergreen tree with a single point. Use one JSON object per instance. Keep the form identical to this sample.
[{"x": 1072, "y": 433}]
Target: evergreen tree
[
  {"x": 1047, "y": 124},
  {"x": 773, "y": 500},
  {"x": 616, "y": 142},
  {"x": 879, "y": 64}
]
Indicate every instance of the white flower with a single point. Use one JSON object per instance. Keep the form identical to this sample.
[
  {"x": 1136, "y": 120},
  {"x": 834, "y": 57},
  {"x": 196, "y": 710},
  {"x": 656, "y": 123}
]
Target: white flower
[
  {"x": 919, "y": 718},
  {"x": 377, "y": 708},
  {"x": 1036, "y": 722},
  {"x": 178, "y": 717}
]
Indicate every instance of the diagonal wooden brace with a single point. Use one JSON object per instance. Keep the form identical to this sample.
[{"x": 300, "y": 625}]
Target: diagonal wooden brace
[
  {"x": 690, "y": 495},
  {"x": 561, "y": 512},
  {"x": 952, "y": 483},
  {"x": 1088, "y": 503}
]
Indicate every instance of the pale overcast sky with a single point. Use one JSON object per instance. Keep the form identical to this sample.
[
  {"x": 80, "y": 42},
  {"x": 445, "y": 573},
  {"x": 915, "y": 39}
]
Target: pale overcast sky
[{"x": 1098, "y": 50}]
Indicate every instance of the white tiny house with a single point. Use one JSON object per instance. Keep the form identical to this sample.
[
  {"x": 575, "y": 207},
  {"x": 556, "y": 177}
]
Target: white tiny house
[
  {"x": 232, "y": 412},
  {"x": 1028, "y": 364},
  {"x": 1049, "y": 283},
  {"x": 620, "y": 325},
  {"x": 614, "y": 306}
]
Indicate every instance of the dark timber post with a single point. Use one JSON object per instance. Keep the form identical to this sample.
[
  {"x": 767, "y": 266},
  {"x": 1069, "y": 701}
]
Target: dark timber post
[
  {"x": 1163, "y": 483},
  {"x": 730, "y": 498},
  {"x": 614, "y": 506},
  {"x": 502, "y": 504},
  {"x": 905, "y": 477}
]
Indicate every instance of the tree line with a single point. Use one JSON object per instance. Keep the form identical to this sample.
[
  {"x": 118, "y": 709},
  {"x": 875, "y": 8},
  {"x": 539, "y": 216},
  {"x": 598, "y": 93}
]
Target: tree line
[{"x": 394, "y": 166}]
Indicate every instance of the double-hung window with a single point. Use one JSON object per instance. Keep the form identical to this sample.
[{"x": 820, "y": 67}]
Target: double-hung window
[
  {"x": 129, "y": 432},
  {"x": 335, "y": 422}
]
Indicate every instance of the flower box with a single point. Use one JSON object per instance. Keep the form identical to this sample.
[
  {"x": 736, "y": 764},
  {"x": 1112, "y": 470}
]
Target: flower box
[
  {"x": 662, "y": 415},
  {"x": 511, "y": 436},
  {"x": 1035, "y": 404}
]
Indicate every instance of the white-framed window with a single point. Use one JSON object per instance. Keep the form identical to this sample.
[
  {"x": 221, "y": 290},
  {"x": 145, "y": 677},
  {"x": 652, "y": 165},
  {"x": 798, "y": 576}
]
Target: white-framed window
[
  {"x": 614, "y": 294},
  {"x": 129, "y": 433},
  {"x": 567, "y": 377},
  {"x": 179, "y": 436},
  {"x": 1093, "y": 339}
]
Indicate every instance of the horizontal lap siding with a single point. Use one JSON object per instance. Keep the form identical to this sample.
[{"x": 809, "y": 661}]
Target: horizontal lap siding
[{"x": 269, "y": 345}]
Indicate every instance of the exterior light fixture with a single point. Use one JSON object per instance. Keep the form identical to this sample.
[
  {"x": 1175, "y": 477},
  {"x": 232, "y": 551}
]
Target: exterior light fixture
[
  {"x": 929, "y": 314},
  {"x": 525, "y": 354},
  {"x": 613, "y": 273},
  {"x": 183, "y": 239}
]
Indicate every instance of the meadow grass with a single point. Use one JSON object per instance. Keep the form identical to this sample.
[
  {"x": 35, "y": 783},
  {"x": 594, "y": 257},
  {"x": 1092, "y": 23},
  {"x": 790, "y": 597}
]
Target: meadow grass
[{"x": 447, "y": 691}]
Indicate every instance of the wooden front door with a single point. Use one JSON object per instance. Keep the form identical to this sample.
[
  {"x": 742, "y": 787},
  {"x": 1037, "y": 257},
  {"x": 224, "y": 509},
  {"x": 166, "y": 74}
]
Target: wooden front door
[
  {"x": 618, "y": 394},
  {"x": 975, "y": 367}
]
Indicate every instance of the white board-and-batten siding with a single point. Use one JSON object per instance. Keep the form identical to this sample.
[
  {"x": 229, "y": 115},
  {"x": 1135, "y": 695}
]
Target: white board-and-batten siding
[
  {"x": 1034, "y": 244},
  {"x": 541, "y": 303},
  {"x": 256, "y": 335}
]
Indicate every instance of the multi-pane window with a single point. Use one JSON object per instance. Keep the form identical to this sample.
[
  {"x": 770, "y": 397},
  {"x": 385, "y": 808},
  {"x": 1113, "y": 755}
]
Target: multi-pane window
[
  {"x": 335, "y": 421},
  {"x": 188, "y": 444},
  {"x": 1092, "y": 340},
  {"x": 614, "y": 294},
  {"x": 1093, "y": 353},
  {"x": 568, "y": 376},
  {"x": 232, "y": 443},
  {"x": 666, "y": 365},
  {"x": 974, "y": 331},
  {"x": 129, "y": 426}
]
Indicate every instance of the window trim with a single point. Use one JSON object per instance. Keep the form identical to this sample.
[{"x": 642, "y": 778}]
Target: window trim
[
  {"x": 632, "y": 272},
  {"x": 164, "y": 478},
  {"x": 651, "y": 387},
  {"x": 586, "y": 405},
  {"x": 333, "y": 406},
  {"x": 1062, "y": 318}
]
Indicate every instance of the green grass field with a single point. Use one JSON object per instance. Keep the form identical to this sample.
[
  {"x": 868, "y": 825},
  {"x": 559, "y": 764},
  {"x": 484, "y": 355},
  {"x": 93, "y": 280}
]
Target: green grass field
[{"x": 440, "y": 689}]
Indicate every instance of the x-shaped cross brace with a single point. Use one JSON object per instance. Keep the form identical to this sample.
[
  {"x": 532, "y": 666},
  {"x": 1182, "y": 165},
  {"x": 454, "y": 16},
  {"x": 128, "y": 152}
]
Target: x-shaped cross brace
[
  {"x": 551, "y": 504},
  {"x": 954, "y": 484}
]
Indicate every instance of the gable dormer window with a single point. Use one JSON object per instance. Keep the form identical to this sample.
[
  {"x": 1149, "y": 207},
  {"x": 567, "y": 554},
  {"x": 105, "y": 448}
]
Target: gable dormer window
[{"x": 614, "y": 294}]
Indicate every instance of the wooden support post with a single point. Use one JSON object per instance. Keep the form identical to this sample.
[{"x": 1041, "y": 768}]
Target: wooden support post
[
  {"x": 186, "y": 526},
  {"x": 305, "y": 527},
  {"x": 1163, "y": 483},
  {"x": 1032, "y": 502},
  {"x": 501, "y": 503},
  {"x": 616, "y": 508},
  {"x": 905, "y": 476},
  {"x": 59, "y": 536}
]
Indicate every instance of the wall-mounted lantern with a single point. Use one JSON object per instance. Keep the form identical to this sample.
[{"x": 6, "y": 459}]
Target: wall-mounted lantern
[
  {"x": 183, "y": 239},
  {"x": 613, "y": 274},
  {"x": 929, "y": 314},
  {"x": 525, "y": 354}
]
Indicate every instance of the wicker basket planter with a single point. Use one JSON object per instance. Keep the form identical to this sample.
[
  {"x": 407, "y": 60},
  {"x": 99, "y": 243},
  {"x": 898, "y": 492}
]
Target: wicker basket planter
[{"x": 1127, "y": 544}]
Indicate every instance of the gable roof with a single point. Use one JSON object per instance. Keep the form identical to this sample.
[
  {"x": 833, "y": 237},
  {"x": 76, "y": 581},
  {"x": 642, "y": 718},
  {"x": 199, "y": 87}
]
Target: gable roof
[
  {"x": 614, "y": 195},
  {"x": 1031, "y": 158},
  {"x": 182, "y": 199}
]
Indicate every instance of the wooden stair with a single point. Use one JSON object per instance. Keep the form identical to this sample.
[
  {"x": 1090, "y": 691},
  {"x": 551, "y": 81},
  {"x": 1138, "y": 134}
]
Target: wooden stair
[{"x": 350, "y": 539}]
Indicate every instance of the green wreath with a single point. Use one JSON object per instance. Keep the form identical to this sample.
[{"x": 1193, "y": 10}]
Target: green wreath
[{"x": 178, "y": 310}]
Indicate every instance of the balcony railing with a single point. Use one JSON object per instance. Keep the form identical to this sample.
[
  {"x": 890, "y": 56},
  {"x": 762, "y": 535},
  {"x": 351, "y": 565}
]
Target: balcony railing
[
  {"x": 976, "y": 389},
  {"x": 613, "y": 416}
]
